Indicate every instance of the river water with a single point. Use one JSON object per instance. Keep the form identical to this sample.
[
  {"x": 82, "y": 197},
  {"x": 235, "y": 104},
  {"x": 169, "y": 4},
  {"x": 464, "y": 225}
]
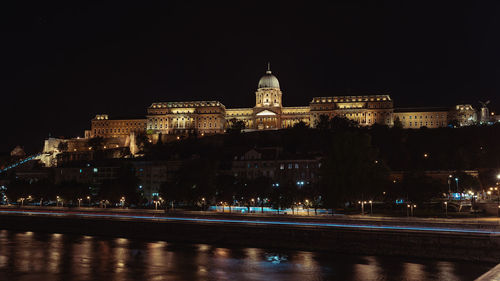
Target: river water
[{"x": 45, "y": 256}]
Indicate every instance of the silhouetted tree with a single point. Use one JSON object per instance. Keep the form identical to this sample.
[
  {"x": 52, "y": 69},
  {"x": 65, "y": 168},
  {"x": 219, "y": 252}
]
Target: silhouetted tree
[
  {"x": 235, "y": 126},
  {"x": 95, "y": 143},
  {"x": 351, "y": 170},
  {"x": 397, "y": 123}
]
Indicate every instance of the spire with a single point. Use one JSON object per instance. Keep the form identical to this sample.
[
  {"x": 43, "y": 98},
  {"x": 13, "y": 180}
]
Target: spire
[{"x": 268, "y": 68}]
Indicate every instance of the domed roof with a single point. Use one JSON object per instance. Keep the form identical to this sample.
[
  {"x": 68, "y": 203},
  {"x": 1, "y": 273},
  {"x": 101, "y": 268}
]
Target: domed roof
[{"x": 269, "y": 80}]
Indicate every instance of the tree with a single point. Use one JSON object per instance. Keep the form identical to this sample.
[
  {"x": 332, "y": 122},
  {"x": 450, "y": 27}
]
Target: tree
[
  {"x": 323, "y": 123},
  {"x": 125, "y": 185},
  {"x": 416, "y": 187},
  {"x": 95, "y": 143},
  {"x": 301, "y": 125},
  {"x": 397, "y": 123},
  {"x": 227, "y": 187},
  {"x": 62, "y": 146},
  {"x": 351, "y": 170},
  {"x": 195, "y": 180},
  {"x": 141, "y": 140},
  {"x": 340, "y": 123},
  {"x": 284, "y": 195},
  {"x": 235, "y": 126}
]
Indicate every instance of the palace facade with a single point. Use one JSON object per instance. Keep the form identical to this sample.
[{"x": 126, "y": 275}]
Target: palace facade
[{"x": 170, "y": 120}]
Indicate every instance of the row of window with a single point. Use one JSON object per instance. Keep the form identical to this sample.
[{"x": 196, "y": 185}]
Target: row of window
[
  {"x": 417, "y": 124},
  {"x": 424, "y": 117},
  {"x": 115, "y": 124},
  {"x": 116, "y": 131}
]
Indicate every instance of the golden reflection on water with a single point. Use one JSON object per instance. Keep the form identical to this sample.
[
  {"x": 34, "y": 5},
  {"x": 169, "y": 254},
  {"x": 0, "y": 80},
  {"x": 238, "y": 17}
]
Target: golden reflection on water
[
  {"x": 120, "y": 253},
  {"x": 54, "y": 252},
  {"x": 36, "y": 256},
  {"x": 82, "y": 258},
  {"x": 368, "y": 270},
  {"x": 414, "y": 271}
]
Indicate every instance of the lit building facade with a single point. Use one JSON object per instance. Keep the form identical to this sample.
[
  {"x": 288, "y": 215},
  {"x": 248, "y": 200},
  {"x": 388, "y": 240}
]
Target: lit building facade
[
  {"x": 102, "y": 126},
  {"x": 415, "y": 118},
  {"x": 184, "y": 118},
  {"x": 172, "y": 120}
]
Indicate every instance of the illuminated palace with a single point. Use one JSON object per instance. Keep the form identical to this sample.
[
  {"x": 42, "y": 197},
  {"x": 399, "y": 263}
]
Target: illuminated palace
[{"x": 176, "y": 119}]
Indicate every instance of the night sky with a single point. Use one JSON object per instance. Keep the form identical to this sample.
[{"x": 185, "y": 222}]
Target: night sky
[{"x": 62, "y": 64}]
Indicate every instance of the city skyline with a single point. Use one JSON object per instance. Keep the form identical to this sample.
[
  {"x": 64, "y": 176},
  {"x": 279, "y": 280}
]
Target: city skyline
[{"x": 67, "y": 64}]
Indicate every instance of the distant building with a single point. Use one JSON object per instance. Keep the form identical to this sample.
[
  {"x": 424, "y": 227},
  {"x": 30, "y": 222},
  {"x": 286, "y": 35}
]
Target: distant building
[
  {"x": 173, "y": 120},
  {"x": 274, "y": 164},
  {"x": 102, "y": 126},
  {"x": 464, "y": 114},
  {"x": 415, "y": 118}
]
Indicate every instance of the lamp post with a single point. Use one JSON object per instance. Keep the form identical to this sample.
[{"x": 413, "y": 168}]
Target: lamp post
[
  {"x": 88, "y": 198},
  {"x": 57, "y": 200},
  {"x": 362, "y": 207},
  {"x": 22, "y": 201},
  {"x": 371, "y": 207},
  {"x": 449, "y": 185},
  {"x": 498, "y": 191},
  {"x": 79, "y": 202},
  {"x": 122, "y": 202},
  {"x": 307, "y": 206},
  {"x": 446, "y": 208}
]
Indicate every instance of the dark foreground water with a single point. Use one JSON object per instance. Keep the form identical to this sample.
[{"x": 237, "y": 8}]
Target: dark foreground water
[{"x": 42, "y": 256}]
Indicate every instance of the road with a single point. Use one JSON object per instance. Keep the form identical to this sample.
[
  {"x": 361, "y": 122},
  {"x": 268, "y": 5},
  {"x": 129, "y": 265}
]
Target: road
[{"x": 485, "y": 227}]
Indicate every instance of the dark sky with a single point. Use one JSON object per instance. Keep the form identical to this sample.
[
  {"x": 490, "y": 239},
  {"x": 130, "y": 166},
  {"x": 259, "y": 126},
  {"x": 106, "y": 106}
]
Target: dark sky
[{"x": 62, "y": 64}]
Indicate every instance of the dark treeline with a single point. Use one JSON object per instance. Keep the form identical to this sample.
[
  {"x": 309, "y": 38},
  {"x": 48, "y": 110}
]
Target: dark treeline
[
  {"x": 355, "y": 161},
  {"x": 355, "y": 165}
]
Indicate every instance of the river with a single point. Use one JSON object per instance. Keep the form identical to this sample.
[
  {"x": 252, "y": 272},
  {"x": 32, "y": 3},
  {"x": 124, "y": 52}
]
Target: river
[{"x": 44, "y": 256}]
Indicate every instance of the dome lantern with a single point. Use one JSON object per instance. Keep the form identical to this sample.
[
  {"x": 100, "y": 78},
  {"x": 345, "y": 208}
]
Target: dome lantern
[{"x": 268, "y": 80}]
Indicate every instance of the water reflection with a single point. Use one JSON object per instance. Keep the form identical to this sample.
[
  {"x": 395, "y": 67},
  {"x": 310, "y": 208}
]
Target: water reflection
[{"x": 39, "y": 256}]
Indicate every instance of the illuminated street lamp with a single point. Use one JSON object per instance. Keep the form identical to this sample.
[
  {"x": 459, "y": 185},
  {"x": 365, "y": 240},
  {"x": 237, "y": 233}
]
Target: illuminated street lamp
[
  {"x": 410, "y": 207},
  {"x": 371, "y": 207},
  {"x": 449, "y": 185},
  {"x": 307, "y": 206},
  {"x": 362, "y": 206},
  {"x": 122, "y": 201},
  {"x": 156, "y": 204},
  {"x": 79, "y": 202},
  {"x": 22, "y": 201},
  {"x": 88, "y": 198},
  {"x": 446, "y": 208}
]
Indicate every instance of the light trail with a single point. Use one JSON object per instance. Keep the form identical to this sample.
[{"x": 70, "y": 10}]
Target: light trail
[{"x": 288, "y": 223}]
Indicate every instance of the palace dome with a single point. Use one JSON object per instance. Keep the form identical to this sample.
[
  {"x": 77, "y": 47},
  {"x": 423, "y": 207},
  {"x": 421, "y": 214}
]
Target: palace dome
[{"x": 269, "y": 81}]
